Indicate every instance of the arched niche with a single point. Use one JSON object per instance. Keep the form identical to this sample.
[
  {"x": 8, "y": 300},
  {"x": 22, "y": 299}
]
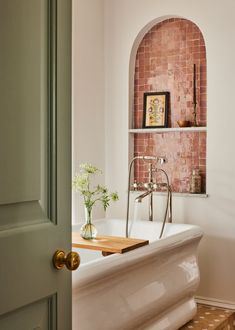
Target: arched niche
[{"x": 169, "y": 55}]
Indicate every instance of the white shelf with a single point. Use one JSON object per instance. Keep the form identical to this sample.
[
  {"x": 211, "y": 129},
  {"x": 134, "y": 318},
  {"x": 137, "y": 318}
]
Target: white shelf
[
  {"x": 175, "y": 194},
  {"x": 172, "y": 129}
]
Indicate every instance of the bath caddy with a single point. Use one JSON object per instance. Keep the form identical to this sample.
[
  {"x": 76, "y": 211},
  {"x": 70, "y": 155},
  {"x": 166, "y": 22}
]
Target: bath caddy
[{"x": 108, "y": 244}]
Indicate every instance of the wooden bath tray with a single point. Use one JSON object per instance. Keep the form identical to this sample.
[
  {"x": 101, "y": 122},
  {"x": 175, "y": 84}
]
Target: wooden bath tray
[{"x": 108, "y": 244}]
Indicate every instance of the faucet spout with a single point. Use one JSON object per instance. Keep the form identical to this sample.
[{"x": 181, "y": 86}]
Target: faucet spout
[{"x": 142, "y": 196}]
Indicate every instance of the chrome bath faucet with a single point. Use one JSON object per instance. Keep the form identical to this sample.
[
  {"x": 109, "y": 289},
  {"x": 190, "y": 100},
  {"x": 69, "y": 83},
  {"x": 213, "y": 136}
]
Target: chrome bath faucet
[{"x": 151, "y": 186}]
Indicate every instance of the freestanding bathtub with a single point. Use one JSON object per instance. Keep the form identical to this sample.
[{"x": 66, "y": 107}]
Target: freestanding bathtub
[{"x": 151, "y": 287}]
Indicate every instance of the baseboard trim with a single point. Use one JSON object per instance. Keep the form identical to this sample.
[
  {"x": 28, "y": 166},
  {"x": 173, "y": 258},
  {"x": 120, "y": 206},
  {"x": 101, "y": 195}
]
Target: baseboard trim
[{"x": 215, "y": 302}]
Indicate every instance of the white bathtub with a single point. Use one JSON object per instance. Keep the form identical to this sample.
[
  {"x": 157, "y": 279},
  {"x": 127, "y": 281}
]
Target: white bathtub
[{"x": 151, "y": 287}]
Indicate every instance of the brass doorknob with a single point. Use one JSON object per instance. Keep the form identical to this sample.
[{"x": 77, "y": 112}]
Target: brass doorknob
[{"x": 71, "y": 261}]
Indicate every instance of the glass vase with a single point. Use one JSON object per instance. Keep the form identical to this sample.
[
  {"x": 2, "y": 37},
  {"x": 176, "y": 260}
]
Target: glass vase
[{"x": 88, "y": 230}]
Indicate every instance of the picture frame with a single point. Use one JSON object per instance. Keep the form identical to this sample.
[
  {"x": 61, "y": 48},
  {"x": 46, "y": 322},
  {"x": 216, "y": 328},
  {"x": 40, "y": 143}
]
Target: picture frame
[{"x": 156, "y": 106}]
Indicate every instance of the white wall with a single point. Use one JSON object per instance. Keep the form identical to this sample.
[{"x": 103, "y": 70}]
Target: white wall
[
  {"x": 88, "y": 91},
  {"x": 124, "y": 19}
]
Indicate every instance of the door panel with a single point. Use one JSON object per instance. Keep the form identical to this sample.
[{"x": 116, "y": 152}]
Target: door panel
[
  {"x": 35, "y": 316},
  {"x": 25, "y": 71},
  {"x": 23, "y": 87},
  {"x": 35, "y": 177},
  {"x": 22, "y": 214}
]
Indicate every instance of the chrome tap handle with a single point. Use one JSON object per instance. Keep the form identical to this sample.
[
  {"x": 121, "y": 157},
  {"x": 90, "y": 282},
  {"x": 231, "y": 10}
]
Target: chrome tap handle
[
  {"x": 155, "y": 186},
  {"x": 147, "y": 185},
  {"x": 137, "y": 185},
  {"x": 150, "y": 185}
]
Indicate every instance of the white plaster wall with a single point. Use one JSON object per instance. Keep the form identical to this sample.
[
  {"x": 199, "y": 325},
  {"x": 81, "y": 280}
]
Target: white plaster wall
[
  {"x": 88, "y": 122},
  {"x": 124, "y": 19}
]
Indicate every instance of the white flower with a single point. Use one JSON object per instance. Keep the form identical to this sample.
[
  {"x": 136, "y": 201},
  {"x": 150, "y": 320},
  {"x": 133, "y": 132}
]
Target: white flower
[{"x": 91, "y": 195}]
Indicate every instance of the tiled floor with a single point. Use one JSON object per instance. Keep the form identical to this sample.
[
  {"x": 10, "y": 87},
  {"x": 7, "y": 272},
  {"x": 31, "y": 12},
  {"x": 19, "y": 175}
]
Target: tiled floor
[{"x": 211, "y": 318}]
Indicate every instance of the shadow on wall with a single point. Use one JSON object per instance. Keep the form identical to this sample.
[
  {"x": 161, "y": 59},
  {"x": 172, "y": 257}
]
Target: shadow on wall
[{"x": 216, "y": 274}]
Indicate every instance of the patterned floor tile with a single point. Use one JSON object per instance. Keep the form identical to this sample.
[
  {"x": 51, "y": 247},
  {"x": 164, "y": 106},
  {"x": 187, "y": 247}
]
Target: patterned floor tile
[{"x": 211, "y": 318}]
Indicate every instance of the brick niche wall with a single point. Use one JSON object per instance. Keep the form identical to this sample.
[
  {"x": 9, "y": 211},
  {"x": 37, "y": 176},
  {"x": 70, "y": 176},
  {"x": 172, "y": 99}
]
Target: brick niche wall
[{"x": 164, "y": 62}]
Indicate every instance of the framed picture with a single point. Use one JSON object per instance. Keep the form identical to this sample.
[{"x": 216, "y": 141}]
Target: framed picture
[{"x": 155, "y": 109}]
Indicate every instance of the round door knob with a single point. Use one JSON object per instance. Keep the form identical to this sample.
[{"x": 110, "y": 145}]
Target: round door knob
[{"x": 71, "y": 261}]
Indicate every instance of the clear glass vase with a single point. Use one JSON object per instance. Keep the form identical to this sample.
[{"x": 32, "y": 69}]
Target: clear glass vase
[{"x": 88, "y": 230}]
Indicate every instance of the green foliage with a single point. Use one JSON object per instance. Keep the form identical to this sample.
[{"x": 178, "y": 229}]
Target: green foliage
[{"x": 92, "y": 194}]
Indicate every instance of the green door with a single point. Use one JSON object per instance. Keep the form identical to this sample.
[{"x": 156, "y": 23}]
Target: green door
[{"x": 35, "y": 163}]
